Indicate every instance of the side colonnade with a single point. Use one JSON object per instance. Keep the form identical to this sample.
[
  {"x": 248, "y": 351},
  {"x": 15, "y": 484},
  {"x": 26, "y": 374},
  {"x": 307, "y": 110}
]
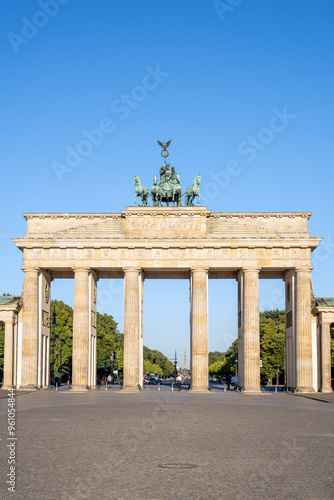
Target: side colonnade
[
  {"x": 35, "y": 357},
  {"x": 168, "y": 243}
]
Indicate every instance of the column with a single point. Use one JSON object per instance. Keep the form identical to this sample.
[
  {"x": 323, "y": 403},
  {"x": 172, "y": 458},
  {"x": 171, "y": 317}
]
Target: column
[
  {"x": 251, "y": 331},
  {"x": 290, "y": 328},
  {"x": 141, "y": 345},
  {"x": 81, "y": 330},
  {"x": 30, "y": 330},
  {"x": 304, "y": 372},
  {"x": 240, "y": 280},
  {"x": 8, "y": 367},
  {"x": 199, "y": 330},
  {"x": 132, "y": 328},
  {"x": 325, "y": 354},
  {"x": 92, "y": 329}
]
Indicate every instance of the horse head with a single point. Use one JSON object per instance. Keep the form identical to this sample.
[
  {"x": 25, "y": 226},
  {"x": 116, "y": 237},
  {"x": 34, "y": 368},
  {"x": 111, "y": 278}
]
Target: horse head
[
  {"x": 136, "y": 180},
  {"x": 198, "y": 179},
  {"x": 155, "y": 179}
]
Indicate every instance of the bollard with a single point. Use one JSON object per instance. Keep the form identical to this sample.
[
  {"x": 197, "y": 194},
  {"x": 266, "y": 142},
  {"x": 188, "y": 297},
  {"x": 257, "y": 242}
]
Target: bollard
[
  {"x": 106, "y": 387},
  {"x": 224, "y": 388},
  {"x": 275, "y": 389},
  {"x": 172, "y": 387},
  {"x": 158, "y": 387},
  {"x": 56, "y": 386}
]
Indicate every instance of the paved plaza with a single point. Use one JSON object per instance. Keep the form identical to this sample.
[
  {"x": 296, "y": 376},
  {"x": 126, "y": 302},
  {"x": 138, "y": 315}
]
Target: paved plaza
[{"x": 169, "y": 445}]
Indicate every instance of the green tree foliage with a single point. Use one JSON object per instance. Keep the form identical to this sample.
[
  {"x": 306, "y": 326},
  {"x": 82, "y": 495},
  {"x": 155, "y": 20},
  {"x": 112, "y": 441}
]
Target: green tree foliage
[
  {"x": 216, "y": 356},
  {"x": 226, "y": 366},
  {"x": 157, "y": 358},
  {"x": 272, "y": 342}
]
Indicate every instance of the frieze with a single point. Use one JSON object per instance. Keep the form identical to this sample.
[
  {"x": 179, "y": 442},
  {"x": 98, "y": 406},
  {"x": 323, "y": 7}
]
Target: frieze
[
  {"x": 93, "y": 319},
  {"x": 165, "y": 224},
  {"x": 55, "y": 253},
  {"x": 46, "y": 319}
]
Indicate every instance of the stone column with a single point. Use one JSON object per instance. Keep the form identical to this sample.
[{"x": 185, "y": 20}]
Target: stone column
[
  {"x": 290, "y": 328},
  {"x": 251, "y": 331},
  {"x": 132, "y": 328},
  {"x": 81, "y": 330},
  {"x": 199, "y": 330},
  {"x": 325, "y": 354},
  {"x": 240, "y": 280},
  {"x": 304, "y": 375},
  {"x": 8, "y": 368},
  {"x": 30, "y": 330}
]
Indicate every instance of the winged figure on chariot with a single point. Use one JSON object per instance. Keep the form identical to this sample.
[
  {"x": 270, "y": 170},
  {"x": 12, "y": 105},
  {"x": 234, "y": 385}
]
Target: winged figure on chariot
[{"x": 169, "y": 189}]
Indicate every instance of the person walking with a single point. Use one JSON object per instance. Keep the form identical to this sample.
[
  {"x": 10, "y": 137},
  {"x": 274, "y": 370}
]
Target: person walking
[
  {"x": 178, "y": 382},
  {"x": 228, "y": 381},
  {"x": 109, "y": 380}
]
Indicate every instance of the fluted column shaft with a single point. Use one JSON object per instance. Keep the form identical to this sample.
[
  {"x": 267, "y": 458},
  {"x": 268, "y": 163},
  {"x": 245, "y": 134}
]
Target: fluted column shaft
[
  {"x": 30, "y": 329},
  {"x": 251, "y": 331},
  {"x": 325, "y": 355},
  {"x": 80, "y": 357},
  {"x": 199, "y": 331},
  {"x": 132, "y": 329},
  {"x": 304, "y": 371},
  {"x": 8, "y": 368}
]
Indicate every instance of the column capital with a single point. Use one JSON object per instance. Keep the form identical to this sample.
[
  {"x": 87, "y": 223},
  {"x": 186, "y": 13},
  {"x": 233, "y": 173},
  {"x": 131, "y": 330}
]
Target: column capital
[
  {"x": 30, "y": 269},
  {"x": 199, "y": 269},
  {"x": 251, "y": 269},
  {"x": 132, "y": 269},
  {"x": 306, "y": 269},
  {"x": 81, "y": 269},
  {"x": 324, "y": 319}
]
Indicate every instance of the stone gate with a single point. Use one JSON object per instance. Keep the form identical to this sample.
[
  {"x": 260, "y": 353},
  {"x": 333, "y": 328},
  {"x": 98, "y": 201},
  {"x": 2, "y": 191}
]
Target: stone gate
[{"x": 167, "y": 242}]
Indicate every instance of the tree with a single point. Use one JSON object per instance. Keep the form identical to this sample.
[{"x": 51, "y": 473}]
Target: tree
[
  {"x": 216, "y": 356},
  {"x": 272, "y": 342}
]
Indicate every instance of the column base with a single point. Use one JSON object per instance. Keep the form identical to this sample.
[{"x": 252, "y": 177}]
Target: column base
[
  {"x": 29, "y": 387},
  {"x": 79, "y": 388},
  {"x": 251, "y": 391},
  {"x": 304, "y": 390},
  {"x": 326, "y": 390},
  {"x": 204, "y": 389},
  {"x": 130, "y": 388},
  {"x": 7, "y": 387}
]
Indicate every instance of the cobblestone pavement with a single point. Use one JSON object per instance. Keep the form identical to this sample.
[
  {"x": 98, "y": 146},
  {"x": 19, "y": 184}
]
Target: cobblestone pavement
[{"x": 169, "y": 445}]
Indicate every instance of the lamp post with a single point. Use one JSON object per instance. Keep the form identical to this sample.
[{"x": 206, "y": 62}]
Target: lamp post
[
  {"x": 105, "y": 365},
  {"x": 54, "y": 324},
  {"x": 112, "y": 365},
  {"x": 60, "y": 367},
  {"x": 236, "y": 366}
]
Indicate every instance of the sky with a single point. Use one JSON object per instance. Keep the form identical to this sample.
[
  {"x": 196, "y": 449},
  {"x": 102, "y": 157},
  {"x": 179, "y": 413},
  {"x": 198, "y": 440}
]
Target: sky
[{"x": 247, "y": 81}]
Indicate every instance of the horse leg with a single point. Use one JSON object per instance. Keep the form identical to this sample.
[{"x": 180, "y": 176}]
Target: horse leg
[
  {"x": 199, "y": 197},
  {"x": 135, "y": 199}
]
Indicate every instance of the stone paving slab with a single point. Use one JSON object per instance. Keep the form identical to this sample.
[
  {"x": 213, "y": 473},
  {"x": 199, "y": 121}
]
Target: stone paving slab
[{"x": 169, "y": 445}]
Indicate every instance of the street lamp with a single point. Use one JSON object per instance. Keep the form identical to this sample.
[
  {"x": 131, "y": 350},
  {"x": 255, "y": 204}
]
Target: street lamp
[
  {"x": 105, "y": 364},
  {"x": 54, "y": 324},
  {"x": 112, "y": 357},
  {"x": 60, "y": 367}
]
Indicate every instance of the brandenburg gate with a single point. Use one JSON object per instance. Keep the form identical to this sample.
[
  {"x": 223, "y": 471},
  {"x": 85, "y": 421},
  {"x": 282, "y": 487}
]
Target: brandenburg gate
[
  {"x": 169, "y": 242},
  {"x": 166, "y": 242}
]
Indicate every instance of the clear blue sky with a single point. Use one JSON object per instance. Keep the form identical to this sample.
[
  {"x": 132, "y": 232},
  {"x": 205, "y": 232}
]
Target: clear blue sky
[{"x": 220, "y": 76}]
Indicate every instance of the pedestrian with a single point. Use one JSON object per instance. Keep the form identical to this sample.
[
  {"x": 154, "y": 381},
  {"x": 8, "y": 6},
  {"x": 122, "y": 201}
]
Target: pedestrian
[
  {"x": 178, "y": 382},
  {"x": 228, "y": 381},
  {"x": 109, "y": 379}
]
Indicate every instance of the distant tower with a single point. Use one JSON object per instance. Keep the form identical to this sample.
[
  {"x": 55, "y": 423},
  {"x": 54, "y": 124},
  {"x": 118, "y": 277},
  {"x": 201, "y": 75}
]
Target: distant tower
[{"x": 185, "y": 361}]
